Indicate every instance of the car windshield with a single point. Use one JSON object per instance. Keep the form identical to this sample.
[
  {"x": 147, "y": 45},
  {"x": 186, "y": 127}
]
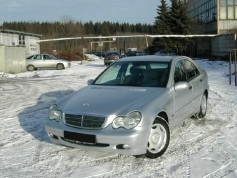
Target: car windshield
[{"x": 135, "y": 73}]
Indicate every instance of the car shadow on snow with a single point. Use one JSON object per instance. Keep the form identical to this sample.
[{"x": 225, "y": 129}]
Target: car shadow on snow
[{"x": 32, "y": 118}]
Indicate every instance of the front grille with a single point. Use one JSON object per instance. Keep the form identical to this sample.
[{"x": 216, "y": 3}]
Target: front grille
[{"x": 82, "y": 121}]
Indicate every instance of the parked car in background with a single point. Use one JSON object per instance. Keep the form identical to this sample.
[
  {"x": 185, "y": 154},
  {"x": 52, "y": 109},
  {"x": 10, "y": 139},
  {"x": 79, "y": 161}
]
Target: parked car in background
[
  {"x": 36, "y": 61},
  {"x": 131, "y": 106},
  {"x": 110, "y": 57},
  {"x": 136, "y": 53},
  {"x": 99, "y": 53},
  {"x": 165, "y": 53}
]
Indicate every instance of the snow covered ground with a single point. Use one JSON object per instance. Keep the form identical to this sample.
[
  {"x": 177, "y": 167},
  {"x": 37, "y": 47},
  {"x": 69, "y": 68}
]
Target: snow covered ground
[{"x": 198, "y": 148}]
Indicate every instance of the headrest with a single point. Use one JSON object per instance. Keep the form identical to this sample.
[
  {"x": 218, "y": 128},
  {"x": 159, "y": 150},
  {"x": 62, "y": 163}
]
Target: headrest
[{"x": 137, "y": 69}]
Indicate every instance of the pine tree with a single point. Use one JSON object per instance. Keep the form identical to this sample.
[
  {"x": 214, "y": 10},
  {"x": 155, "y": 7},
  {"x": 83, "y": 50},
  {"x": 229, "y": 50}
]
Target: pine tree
[
  {"x": 180, "y": 23},
  {"x": 180, "y": 19},
  {"x": 162, "y": 20},
  {"x": 162, "y": 26}
]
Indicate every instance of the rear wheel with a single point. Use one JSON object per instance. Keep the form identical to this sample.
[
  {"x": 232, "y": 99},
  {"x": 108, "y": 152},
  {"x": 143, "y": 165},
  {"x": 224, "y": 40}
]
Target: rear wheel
[
  {"x": 203, "y": 106},
  {"x": 60, "y": 66},
  {"x": 30, "y": 68},
  {"x": 159, "y": 138}
]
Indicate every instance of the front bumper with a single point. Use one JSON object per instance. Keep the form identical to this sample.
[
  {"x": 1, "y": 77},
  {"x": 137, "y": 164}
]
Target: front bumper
[
  {"x": 122, "y": 141},
  {"x": 68, "y": 64}
]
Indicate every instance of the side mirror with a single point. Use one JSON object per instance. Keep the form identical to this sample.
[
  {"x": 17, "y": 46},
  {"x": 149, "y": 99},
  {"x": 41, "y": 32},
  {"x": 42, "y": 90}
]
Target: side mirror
[
  {"x": 90, "y": 81},
  {"x": 181, "y": 86}
]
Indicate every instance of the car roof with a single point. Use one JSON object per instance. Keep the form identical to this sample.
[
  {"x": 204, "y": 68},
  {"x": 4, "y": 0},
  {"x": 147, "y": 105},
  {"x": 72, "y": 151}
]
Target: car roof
[{"x": 149, "y": 58}]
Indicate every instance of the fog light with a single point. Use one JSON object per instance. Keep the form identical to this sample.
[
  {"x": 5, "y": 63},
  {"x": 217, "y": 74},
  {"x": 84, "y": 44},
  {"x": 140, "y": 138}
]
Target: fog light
[
  {"x": 52, "y": 136},
  {"x": 123, "y": 147},
  {"x": 126, "y": 147}
]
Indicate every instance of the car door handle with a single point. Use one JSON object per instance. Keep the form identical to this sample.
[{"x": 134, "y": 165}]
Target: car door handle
[{"x": 190, "y": 87}]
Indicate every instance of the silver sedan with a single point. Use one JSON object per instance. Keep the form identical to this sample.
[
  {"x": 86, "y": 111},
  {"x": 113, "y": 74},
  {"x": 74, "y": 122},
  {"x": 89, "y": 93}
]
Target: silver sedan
[
  {"x": 45, "y": 61},
  {"x": 131, "y": 106}
]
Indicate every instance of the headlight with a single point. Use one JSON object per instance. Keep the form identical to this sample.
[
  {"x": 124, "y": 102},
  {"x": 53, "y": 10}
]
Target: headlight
[
  {"x": 128, "y": 122},
  {"x": 54, "y": 113}
]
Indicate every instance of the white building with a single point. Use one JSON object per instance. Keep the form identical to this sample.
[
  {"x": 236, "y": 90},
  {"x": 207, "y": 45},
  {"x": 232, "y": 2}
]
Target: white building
[
  {"x": 22, "y": 39},
  {"x": 215, "y": 17},
  {"x": 15, "y": 46}
]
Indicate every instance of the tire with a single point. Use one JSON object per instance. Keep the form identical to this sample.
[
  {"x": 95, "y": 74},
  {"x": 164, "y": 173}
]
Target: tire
[
  {"x": 159, "y": 138},
  {"x": 30, "y": 68},
  {"x": 60, "y": 66},
  {"x": 203, "y": 107}
]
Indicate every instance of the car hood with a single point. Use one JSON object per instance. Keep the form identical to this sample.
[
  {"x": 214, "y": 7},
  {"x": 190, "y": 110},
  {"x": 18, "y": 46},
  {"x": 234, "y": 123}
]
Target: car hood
[{"x": 106, "y": 100}]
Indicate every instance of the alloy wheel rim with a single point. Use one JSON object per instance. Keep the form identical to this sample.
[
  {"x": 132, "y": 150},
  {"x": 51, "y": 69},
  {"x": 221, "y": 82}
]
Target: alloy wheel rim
[{"x": 157, "y": 138}]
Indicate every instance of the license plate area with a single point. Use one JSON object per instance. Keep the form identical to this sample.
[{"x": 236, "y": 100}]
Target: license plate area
[{"x": 79, "y": 137}]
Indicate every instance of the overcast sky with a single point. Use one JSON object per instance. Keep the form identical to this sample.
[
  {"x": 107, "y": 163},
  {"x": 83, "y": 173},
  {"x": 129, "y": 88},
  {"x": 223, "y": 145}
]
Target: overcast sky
[{"x": 130, "y": 11}]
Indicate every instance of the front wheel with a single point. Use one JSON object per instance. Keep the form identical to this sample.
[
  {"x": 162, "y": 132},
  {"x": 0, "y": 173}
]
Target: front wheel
[{"x": 159, "y": 138}]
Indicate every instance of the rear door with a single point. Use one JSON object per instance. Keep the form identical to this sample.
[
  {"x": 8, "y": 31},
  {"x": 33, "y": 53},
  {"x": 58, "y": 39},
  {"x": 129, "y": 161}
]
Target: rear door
[{"x": 196, "y": 79}]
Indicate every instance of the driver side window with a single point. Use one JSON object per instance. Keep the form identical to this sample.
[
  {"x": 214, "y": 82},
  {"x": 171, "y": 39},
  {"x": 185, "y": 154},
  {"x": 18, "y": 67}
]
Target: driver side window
[{"x": 38, "y": 57}]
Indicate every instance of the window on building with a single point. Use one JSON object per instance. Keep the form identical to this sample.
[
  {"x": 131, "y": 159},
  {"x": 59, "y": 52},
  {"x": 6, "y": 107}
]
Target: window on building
[
  {"x": 228, "y": 9},
  {"x": 236, "y": 11},
  {"x": 222, "y": 2},
  {"x": 231, "y": 12},
  {"x": 206, "y": 12},
  {"x": 223, "y": 12},
  {"x": 21, "y": 39},
  {"x": 230, "y": 2}
]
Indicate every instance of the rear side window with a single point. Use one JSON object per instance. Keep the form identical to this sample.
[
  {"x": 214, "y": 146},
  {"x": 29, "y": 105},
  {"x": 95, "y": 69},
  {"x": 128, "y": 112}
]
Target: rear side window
[
  {"x": 47, "y": 57},
  {"x": 191, "y": 69}
]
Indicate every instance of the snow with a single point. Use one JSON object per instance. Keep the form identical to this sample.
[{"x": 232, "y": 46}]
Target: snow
[{"x": 198, "y": 148}]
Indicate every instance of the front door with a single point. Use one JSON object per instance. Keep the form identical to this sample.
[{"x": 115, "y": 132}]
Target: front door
[{"x": 182, "y": 98}]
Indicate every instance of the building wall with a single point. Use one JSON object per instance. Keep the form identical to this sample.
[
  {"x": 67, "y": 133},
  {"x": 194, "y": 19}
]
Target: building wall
[
  {"x": 225, "y": 26},
  {"x": 222, "y": 44},
  {"x": 204, "y": 13},
  {"x": 30, "y": 42},
  {"x": 215, "y": 17},
  {"x": 12, "y": 59},
  {"x": 2, "y": 58},
  {"x": 32, "y": 47},
  {"x": 9, "y": 39}
]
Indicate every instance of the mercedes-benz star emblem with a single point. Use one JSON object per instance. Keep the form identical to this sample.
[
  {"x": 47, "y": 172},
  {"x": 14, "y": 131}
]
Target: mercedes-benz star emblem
[{"x": 86, "y": 105}]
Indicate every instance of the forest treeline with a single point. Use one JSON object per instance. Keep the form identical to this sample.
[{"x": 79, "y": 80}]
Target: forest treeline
[
  {"x": 70, "y": 28},
  {"x": 174, "y": 19}
]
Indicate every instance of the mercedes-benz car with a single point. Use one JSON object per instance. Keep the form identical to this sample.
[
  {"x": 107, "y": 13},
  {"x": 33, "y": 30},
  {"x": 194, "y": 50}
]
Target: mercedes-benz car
[
  {"x": 36, "y": 61},
  {"x": 131, "y": 107}
]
